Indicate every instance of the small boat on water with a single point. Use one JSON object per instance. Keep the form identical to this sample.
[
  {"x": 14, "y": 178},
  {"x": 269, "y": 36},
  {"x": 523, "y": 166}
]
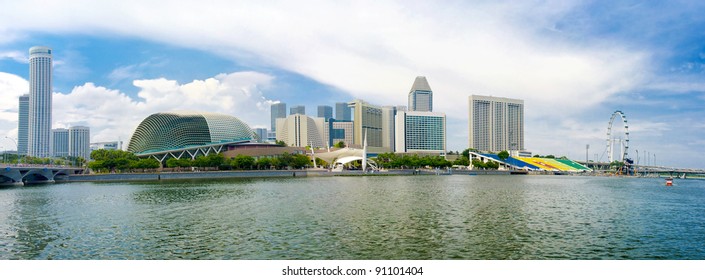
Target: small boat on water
[{"x": 669, "y": 182}]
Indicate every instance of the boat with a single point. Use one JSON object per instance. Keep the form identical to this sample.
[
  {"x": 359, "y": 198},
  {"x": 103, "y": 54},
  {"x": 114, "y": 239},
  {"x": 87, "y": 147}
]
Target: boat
[{"x": 669, "y": 182}]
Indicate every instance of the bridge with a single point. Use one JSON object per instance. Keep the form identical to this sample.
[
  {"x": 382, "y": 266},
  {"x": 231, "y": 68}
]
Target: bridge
[{"x": 11, "y": 175}]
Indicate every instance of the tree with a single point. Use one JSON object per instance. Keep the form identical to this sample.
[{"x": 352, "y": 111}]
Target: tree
[
  {"x": 243, "y": 162},
  {"x": 462, "y": 161},
  {"x": 503, "y": 155},
  {"x": 263, "y": 163},
  {"x": 280, "y": 143},
  {"x": 340, "y": 144},
  {"x": 476, "y": 163}
]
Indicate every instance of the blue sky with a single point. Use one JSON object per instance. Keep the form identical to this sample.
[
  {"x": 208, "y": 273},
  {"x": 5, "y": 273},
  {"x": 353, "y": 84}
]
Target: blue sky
[{"x": 573, "y": 62}]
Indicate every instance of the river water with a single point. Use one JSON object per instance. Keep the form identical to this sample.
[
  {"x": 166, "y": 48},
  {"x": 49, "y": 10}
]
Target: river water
[{"x": 376, "y": 217}]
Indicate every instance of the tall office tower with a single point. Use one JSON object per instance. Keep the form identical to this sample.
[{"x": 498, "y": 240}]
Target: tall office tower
[
  {"x": 299, "y": 109},
  {"x": 22, "y": 126},
  {"x": 278, "y": 110},
  {"x": 80, "y": 142},
  {"x": 335, "y": 131},
  {"x": 342, "y": 112},
  {"x": 40, "y": 87},
  {"x": 325, "y": 112},
  {"x": 300, "y": 131},
  {"x": 421, "y": 96},
  {"x": 388, "y": 113},
  {"x": 496, "y": 123},
  {"x": 60, "y": 139},
  {"x": 368, "y": 123},
  {"x": 420, "y": 132},
  {"x": 261, "y": 134}
]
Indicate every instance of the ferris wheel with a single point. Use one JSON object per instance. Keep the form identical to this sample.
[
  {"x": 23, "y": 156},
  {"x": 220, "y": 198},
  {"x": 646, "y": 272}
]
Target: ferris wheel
[{"x": 622, "y": 139}]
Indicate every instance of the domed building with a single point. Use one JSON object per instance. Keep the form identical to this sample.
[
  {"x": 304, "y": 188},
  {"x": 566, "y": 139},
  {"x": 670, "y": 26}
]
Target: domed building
[{"x": 174, "y": 134}]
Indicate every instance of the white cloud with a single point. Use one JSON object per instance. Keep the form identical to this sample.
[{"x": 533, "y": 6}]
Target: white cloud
[
  {"x": 373, "y": 50},
  {"x": 11, "y": 87},
  {"x": 14, "y": 55},
  {"x": 370, "y": 49}
]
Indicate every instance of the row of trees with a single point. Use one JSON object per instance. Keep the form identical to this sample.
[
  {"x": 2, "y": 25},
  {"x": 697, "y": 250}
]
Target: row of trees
[
  {"x": 119, "y": 161},
  {"x": 242, "y": 162},
  {"x": 392, "y": 160}
]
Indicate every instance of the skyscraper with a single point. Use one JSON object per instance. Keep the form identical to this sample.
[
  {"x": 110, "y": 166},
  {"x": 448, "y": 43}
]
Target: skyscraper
[
  {"x": 420, "y": 96},
  {"x": 300, "y": 131},
  {"x": 79, "y": 142},
  {"x": 342, "y": 112},
  {"x": 60, "y": 145},
  {"x": 420, "y": 132},
  {"x": 40, "y": 88},
  {"x": 299, "y": 109},
  {"x": 325, "y": 112},
  {"x": 496, "y": 123},
  {"x": 22, "y": 126},
  {"x": 278, "y": 110},
  {"x": 368, "y": 123}
]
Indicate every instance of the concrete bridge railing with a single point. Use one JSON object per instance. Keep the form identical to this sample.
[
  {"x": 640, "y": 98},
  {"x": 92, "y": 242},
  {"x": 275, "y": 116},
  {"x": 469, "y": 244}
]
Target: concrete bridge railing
[{"x": 10, "y": 175}]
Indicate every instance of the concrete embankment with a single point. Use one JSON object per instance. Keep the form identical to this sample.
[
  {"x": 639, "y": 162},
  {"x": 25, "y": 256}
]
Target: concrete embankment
[
  {"x": 263, "y": 174},
  {"x": 185, "y": 175}
]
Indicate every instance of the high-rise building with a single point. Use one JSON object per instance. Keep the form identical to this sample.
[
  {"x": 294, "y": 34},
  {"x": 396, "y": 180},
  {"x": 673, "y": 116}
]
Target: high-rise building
[
  {"x": 278, "y": 110},
  {"x": 342, "y": 112},
  {"x": 299, "y": 109},
  {"x": 325, "y": 112},
  {"x": 421, "y": 96},
  {"x": 22, "y": 126},
  {"x": 388, "y": 113},
  {"x": 300, "y": 131},
  {"x": 40, "y": 88},
  {"x": 261, "y": 134},
  {"x": 420, "y": 132},
  {"x": 336, "y": 131},
  {"x": 60, "y": 139},
  {"x": 496, "y": 123},
  {"x": 367, "y": 122},
  {"x": 80, "y": 142}
]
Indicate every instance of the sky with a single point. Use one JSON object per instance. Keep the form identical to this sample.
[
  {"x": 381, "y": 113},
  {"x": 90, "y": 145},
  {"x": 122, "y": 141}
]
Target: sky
[{"x": 573, "y": 63}]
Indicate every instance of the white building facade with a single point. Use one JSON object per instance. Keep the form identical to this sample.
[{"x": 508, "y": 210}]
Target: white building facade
[
  {"x": 420, "y": 132},
  {"x": 40, "y": 102},
  {"x": 300, "y": 131},
  {"x": 496, "y": 123}
]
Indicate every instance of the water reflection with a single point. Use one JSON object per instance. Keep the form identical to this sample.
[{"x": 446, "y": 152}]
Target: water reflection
[{"x": 395, "y": 217}]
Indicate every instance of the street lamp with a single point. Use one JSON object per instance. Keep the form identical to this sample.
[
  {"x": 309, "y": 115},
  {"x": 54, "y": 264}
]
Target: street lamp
[{"x": 18, "y": 150}]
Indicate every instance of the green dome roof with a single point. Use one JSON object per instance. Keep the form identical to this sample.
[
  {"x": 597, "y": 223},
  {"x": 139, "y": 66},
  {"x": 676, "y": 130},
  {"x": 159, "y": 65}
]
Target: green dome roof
[{"x": 176, "y": 130}]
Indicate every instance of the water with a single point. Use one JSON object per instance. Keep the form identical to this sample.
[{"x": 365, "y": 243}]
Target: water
[{"x": 389, "y": 217}]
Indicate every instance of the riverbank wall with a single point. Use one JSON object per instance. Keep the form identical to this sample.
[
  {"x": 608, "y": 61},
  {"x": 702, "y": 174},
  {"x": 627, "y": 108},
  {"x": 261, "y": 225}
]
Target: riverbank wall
[{"x": 263, "y": 174}]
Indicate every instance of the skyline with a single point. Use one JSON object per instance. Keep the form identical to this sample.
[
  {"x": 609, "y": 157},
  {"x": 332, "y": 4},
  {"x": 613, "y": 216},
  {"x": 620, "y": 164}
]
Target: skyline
[{"x": 573, "y": 63}]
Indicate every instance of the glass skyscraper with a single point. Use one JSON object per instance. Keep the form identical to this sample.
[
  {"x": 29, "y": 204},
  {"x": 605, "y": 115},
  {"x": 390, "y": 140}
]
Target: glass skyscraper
[
  {"x": 299, "y": 109},
  {"x": 278, "y": 111},
  {"x": 342, "y": 112},
  {"x": 496, "y": 123},
  {"x": 40, "y": 90},
  {"x": 421, "y": 96},
  {"x": 22, "y": 125},
  {"x": 420, "y": 132},
  {"x": 325, "y": 112}
]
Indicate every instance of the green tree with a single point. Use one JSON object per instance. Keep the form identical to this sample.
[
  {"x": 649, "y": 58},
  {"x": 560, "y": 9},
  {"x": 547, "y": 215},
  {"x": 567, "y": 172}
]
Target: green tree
[
  {"x": 243, "y": 162},
  {"x": 263, "y": 163},
  {"x": 280, "y": 143},
  {"x": 340, "y": 144},
  {"x": 503, "y": 155},
  {"x": 462, "y": 161},
  {"x": 476, "y": 163}
]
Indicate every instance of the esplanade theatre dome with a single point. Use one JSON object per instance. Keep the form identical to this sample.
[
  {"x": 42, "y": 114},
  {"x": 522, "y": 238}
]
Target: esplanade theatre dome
[{"x": 178, "y": 130}]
